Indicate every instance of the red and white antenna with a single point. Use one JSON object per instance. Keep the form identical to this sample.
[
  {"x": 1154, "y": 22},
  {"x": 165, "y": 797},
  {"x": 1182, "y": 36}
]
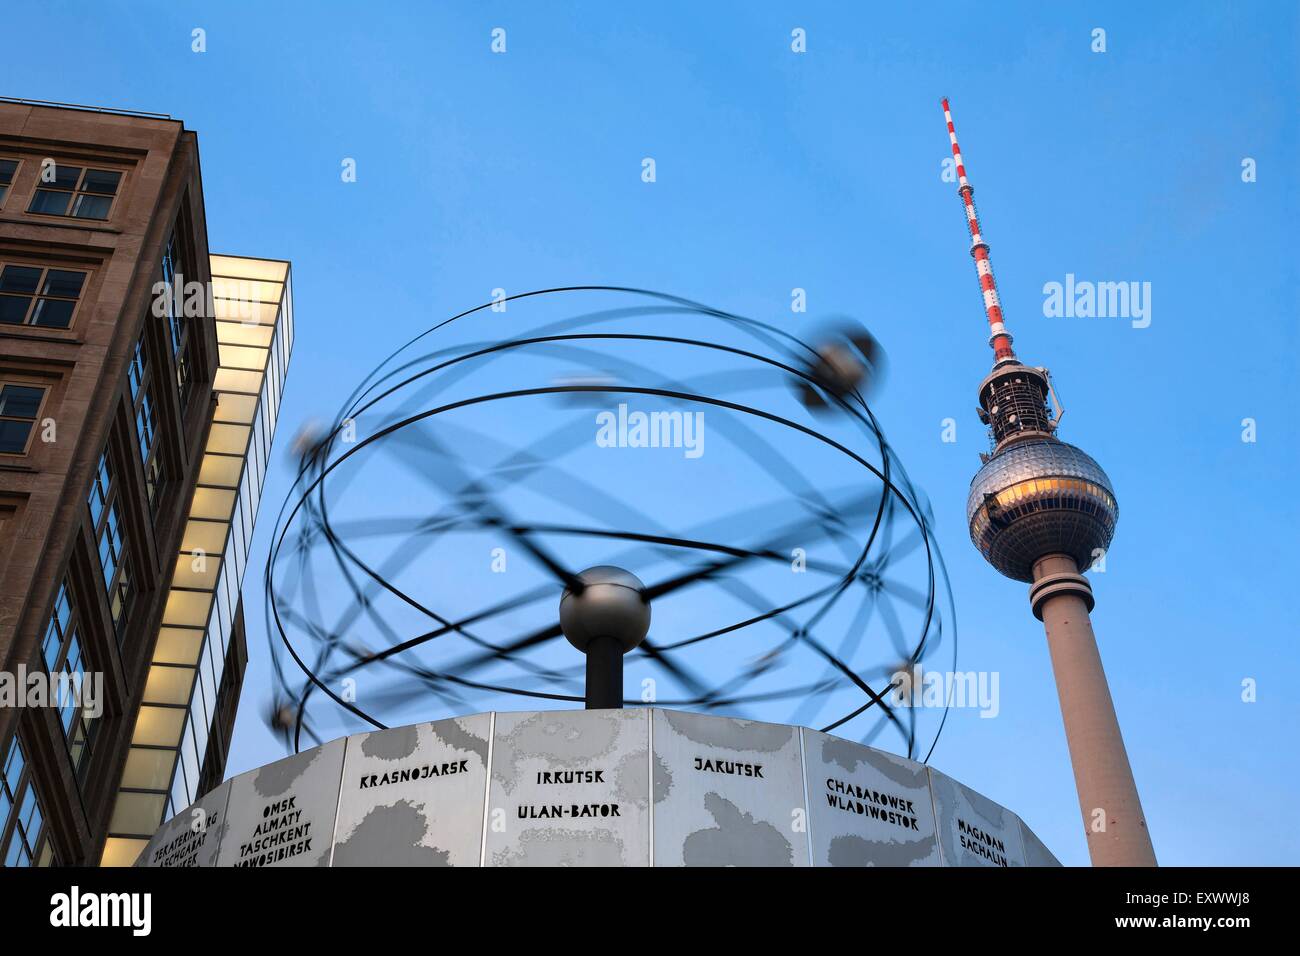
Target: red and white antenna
[{"x": 999, "y": 337}]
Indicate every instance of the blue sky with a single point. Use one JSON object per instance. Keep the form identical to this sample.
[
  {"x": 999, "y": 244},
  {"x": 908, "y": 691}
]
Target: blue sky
[{"x": 821, "y": 170}]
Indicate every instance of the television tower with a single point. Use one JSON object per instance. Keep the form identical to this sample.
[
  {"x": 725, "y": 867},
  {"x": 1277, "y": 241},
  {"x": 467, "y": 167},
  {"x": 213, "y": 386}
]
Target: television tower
[{"x": 1041, "y": 511}]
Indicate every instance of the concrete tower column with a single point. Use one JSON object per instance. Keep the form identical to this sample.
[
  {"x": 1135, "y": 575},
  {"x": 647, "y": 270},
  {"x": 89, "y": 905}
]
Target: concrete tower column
[{"x": 1062, "y": 598}]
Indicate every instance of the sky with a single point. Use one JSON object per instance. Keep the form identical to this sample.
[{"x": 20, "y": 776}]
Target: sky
[{"x": 1166, "y": 159}]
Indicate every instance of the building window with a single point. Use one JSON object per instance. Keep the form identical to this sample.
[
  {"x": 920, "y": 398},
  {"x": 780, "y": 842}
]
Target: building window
[
  {"x": 8, "y": 167},
  {"x": 146, "y": 420},
  {"x": 22, "y": 824},
  {"x": 110, "y": 544},
  {"x": 153, "y": 479},
  {"x": 119, "y": 598},
  {"x": 99, "y": 489},
  {"x": 31, "y": 295},
  {"x": 19, "y": 407},
  {"x": 110, "y": 538},
  {"x": 138, "y": 370},
  {"x": 61, "y": 651},
  {"x": 145, "y": 423},
  {"x": 75, "y": 191},
  {"x": 176, "y": 326}
]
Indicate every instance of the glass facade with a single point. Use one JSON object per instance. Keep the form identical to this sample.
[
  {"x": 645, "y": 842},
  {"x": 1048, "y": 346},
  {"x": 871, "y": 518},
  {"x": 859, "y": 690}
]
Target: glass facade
[{"x": 254, "y": 321}]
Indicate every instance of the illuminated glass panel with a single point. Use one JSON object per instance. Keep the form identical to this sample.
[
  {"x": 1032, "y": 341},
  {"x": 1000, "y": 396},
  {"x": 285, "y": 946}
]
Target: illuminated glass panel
[
  {"x": 244, "y": 312},
  {"x": 148, "y": 769},
  {"x": 220, "y": 470},
  {"x": 237, "y": 380},
  {"x": 197, "y": 571},
  {"x": 178, "y": 645},
  {"x": 228, "y": 439},
  {"x": 245, "y": 357},
  {"x": 237, "y": 333},
  {"x": 239, "y": 409},
  {"x": 158, "y": 726},
  {"x": 269, "y": 270},
  {"x": 206, "y": 536},
  {"x": 122, "y": 851},
  {"x": 244, "y": 290},
  {"x": 187, "y": 608},
  {"x": 213, "y": 503},
  {"x": 136, "y": 812},
  {"x": 168, "y": 684}
]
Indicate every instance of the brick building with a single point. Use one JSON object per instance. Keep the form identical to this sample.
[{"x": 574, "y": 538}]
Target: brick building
[{"x": 134, "y": 434}]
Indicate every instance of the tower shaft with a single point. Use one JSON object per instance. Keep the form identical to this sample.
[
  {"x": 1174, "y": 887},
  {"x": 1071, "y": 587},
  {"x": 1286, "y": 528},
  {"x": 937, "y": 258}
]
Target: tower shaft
[{"x": 1113, "y": 821}]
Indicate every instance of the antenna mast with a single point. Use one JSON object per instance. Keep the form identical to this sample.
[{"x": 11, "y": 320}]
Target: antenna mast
[{"x": 999, "y": 337}]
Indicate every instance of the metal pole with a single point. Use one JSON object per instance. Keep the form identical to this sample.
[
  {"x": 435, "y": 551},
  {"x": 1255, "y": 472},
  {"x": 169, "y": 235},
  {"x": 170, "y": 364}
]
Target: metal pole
[{"x": 604, "y": 674}]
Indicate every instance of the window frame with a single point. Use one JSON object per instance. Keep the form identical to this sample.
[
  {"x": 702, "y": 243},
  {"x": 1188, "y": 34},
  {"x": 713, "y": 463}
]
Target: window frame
[
  {"x": 40, "y": 408},
  {"x": 120, "y": 584},
  {"x": 79, "y": 732},
  {"x": 122, "y": 590},
  {"x": 6, "y": 189},
  {"x": 38, "y": 851},
  {"x": 78, "y": 191},
  {"x": 37, "y": 297},
  {"x": 172, "y": 264},
  {"x": 144, "y": 407}
]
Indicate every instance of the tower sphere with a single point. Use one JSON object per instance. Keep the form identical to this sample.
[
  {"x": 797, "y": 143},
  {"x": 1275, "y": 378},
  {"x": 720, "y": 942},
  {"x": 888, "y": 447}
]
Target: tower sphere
[
  {"x": 609, "y": 605},
  {"x": 1040, "y": 497}
]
